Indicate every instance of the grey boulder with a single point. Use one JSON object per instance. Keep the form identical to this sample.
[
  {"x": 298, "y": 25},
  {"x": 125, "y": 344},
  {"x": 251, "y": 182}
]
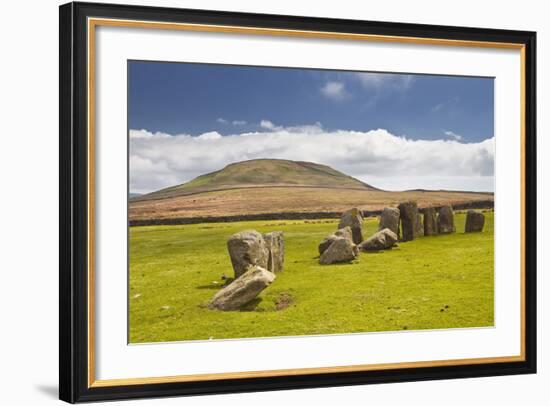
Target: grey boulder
[
  {"x": 408, "y": 214},
  {"x": 354, "y": 220},
  {"x": 430, "y": 221},
  {"x": 419, "y": 224},
  {"x": 246, "y": 249},
  {"x": 446, "y": 220},
  {"x": 474, "y": 221},
  {"x": 340, "y": 251},
  {"x": 382, "y": 240},
  {"x": 389, "y": 218},
  {"x": 343, "y": 233},
  {"x": 276, "y": 250},
  {"x": 243, "y": 289}
]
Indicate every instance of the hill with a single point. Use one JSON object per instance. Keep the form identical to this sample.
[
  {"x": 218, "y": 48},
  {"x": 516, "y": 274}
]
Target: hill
[
  {"x": 274, "y": 188},
  {"x": 263, "y": 173}
]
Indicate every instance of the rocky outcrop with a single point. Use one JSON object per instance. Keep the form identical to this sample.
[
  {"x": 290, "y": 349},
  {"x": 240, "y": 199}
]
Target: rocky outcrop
[
  {"x": 343, "y": 233},
  {"x": 243, "y": 289},
  {"x": 246, "y": 249},
  {"x": 430, "y": 221},
  {"x": 381, "y": 240},
  {"x": 340, "y": 251},
  {"x": 446, "y": 220},
  {"x": 407, "y": 213},
  {"x": 354, "y": 220},
  {"x": 474, "y": 221},
  {"x": 275, "y": 244},
  {"x": 389, "y": 218}
]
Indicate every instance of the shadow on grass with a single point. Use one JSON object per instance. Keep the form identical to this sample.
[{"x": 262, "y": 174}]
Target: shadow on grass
[
  {"x": 213, "y": 286},
  {"x": 251, "y": 306}
]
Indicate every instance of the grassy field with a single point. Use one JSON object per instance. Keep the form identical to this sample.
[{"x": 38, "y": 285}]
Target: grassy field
[{"x": 429, "y": 283}]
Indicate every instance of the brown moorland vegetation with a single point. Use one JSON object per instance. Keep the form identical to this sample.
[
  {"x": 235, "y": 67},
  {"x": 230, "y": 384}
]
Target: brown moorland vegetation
[{"x": 270, "y": 186}]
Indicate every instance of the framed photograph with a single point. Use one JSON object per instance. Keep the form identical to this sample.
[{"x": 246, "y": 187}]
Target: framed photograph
[{"x": 258, "y": 202}]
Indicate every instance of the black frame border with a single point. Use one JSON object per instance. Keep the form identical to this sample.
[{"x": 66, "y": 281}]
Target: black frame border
[{"x": 73, "y": 202}]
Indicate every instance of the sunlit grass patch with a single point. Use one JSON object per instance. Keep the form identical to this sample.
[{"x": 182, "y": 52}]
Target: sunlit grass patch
[{"x": 429, "y": 283}]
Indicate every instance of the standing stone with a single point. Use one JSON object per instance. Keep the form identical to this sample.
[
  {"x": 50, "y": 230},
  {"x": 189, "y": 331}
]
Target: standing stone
[
  {"x": 382, "y": 240},
  {"x": 246, "y": 249},
  {"x": 430, "y": 221},
  {"x": 446, "y": 220},
  {"x": 341, "y": 250},
  {"x": 389, "y": 219},
  {"x": 276, "y": 250},
  {"x": 243, "y": 289},
  {"x": 474, "y": 221},
  {"x": 419, "y": 224},
  {"x": 343, "y": 232},
  {"x": 353, "y": 219},
  {"x": 407, "y": 213}
]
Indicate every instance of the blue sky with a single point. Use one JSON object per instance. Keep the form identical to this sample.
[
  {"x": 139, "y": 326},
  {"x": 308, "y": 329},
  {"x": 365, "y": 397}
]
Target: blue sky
[
  {"x": 195, "y": 98},
  {"x": 394, "y": 131}
]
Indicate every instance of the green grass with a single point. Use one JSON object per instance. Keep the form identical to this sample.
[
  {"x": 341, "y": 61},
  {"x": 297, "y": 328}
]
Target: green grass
[{"x": 429, "y": 283}]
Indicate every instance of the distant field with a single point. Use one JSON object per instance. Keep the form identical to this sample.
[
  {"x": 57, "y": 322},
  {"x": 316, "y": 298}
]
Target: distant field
[
  {"x": 272, "y": 199},
  {"x": 271, "y": 186},
  {"x": 429, "y": 283}
]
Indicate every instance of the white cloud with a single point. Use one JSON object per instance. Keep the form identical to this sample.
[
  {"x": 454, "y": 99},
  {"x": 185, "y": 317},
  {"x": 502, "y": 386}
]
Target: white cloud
[
  {"x": 134, "y": 134},
  {"x": 453, "y": 135},
  {"x": 446, "y": 105},
  {"x": 212, "y": 135},
  {"x": 222, "y": 120},
  {"x": 437, "y": 107},
  {"x": 334, "y": 91},
  {"x": 302, "y": 129},
  {"x": 238, "y": 122},
  {"x": 268, "y": 125},
  {"x": 376, "y": 84},
  {"x": 385, "y": 81},
  {"x": 377, "y": 157}
]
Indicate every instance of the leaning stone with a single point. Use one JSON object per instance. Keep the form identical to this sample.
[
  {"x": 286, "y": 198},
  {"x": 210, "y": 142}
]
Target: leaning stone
[
  {"x": 341, "y": 250},
  {"x": 474, "y": 221},
  {"x": 382, "y": 240},
  {"x": 407, "y": 213},
  {"x": 246, "y": 249},
  {"x": 430, "y": 221},
  {"x": 353, "y": 219},
  {"x": 419, "y": 224},
  {"x": 276, "y": 250},
  {"x": 389, "y": 219},
  {"x": 243, "y": 289},
  {"x": 445, "y": 220},
  {"x": 343, "y": 232}
]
